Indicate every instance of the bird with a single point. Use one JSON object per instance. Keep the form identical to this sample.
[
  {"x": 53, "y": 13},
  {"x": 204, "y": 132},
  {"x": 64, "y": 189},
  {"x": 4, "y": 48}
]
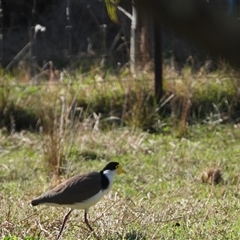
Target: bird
[{"x": 81, "y": 191}]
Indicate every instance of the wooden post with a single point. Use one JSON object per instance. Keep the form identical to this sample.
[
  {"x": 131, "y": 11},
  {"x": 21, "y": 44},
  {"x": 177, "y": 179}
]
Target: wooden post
[
  {"x": 133, "y": 40},
  {"x": 1, "y": 34},
  {"x": 158, "y": 60},
  {"x": 33, "y": 46}
]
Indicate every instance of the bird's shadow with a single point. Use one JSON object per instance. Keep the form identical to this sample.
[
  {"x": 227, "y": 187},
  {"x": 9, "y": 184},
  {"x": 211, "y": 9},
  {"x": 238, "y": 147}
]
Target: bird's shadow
[{"x": 133, "y": 235}]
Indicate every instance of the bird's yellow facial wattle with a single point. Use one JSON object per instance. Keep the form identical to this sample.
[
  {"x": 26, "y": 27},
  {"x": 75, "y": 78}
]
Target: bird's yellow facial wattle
[{"x": 120, "y": 170}]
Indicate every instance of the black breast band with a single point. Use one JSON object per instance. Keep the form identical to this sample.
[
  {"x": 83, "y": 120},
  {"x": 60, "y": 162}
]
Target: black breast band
[{"x": 104, "y": 181}]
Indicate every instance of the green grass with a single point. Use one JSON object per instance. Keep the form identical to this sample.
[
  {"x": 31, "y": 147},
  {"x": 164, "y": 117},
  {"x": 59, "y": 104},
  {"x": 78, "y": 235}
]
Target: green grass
[
  {"x": 161, "y": 197},
  {"x": 129, "y": 99},
  {"x": 65, "y": 129}
]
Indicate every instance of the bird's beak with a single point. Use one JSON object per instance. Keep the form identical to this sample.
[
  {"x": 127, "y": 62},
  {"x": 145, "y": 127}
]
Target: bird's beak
[{"x": 120, "y": 170}]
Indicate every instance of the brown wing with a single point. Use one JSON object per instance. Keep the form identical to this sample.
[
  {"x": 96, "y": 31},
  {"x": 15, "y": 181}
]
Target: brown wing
[{"x": 73, "y": 190}]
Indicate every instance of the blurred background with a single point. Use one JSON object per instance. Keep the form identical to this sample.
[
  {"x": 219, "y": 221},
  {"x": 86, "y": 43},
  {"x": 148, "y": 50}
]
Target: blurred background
[{"x": 79, "y": 33}]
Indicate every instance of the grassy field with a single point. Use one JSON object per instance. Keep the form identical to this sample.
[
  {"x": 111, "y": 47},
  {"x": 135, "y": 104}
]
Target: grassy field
[
  {"x": 161, "y": 197},
  {"x": 182, "y": 163}
]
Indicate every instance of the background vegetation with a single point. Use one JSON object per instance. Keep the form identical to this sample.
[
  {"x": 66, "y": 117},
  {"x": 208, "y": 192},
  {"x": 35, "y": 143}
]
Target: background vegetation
[{"x": 181, "y": 155}]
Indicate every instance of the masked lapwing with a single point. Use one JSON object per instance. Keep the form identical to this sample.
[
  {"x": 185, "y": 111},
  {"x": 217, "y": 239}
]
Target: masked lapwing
[{"x": 81, "y": 191}]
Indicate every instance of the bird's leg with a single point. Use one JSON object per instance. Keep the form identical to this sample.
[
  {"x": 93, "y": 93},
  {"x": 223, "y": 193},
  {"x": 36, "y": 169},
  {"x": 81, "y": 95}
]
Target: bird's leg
[
  {"x": 89, "y": 226},
  {"x": 86, "y": 221},
  {"x": 63, "y": 224}
]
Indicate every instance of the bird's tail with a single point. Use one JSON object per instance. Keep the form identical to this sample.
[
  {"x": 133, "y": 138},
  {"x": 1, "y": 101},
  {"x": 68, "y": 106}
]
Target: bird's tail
[{"x": 35, "y": 202}]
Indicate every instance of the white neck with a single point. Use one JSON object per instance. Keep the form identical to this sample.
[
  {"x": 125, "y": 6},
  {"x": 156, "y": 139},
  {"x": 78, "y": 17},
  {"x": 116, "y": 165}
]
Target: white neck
[{"x": 110, "y": 175}]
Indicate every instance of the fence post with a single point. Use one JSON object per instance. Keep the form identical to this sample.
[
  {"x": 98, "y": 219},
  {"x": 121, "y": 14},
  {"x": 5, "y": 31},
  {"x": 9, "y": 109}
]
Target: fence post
[
  {"x": 69, "y": 29},
  {"x": 158, "y": 60},
  {"x": 1, "y": 34},
  {"x": 33, "y": 47}
]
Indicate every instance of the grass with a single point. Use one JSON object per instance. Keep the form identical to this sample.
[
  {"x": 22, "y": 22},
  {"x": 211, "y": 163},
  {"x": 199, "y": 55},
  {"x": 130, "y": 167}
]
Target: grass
[
  {"x": 161, "y": 197},
  {"x": 192, "y": 97},
  {"x": 51, "y": 132}
]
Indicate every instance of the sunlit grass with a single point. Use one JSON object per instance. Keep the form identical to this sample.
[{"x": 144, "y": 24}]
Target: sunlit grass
[
  {"x": 128, "y": 98},
  {"x": 161, "y": 196}
]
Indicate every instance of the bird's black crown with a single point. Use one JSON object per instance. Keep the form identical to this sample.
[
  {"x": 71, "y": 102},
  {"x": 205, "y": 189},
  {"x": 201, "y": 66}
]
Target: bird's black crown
[{"x": 111, "y": 166}]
